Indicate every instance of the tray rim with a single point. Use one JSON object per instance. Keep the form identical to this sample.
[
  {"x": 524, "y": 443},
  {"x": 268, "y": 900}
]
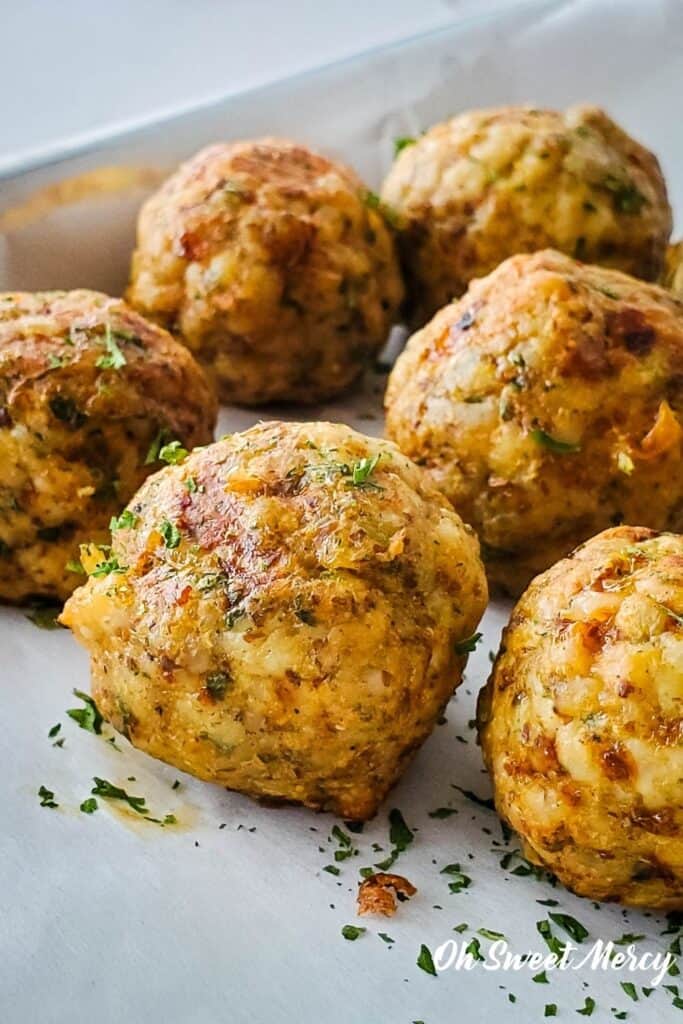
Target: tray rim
[{"x": 82, "y": 143}]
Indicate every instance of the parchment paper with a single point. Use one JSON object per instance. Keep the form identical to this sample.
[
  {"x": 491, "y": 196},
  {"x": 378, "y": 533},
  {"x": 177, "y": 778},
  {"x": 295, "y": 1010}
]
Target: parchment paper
[{"x": 106, "y": 918}]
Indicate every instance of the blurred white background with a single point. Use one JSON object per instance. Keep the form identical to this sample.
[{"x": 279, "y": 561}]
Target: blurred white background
[{"x": 73, "y": 67}]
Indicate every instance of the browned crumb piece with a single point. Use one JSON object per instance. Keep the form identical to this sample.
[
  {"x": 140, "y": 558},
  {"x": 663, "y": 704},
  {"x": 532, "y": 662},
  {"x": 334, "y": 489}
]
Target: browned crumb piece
[{"x": 379, "y": 894}]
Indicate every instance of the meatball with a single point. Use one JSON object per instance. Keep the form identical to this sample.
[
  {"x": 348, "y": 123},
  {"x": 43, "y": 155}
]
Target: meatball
[
  {"x": 673, "y": 273},
  {"x": 89, "y": 394},
  {"x": 491, "y": 183},
  {"x": 580, "y": 722},
  {"x": 287, "y": 615},
  {"x": 275, "y": 266},
  {"x": 547, "y": 405}
]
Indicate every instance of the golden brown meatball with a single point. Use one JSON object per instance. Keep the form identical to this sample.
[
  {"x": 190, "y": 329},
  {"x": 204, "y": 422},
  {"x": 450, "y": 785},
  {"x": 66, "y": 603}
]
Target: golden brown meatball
[
  {"x": 275, "y": 266},
  {"x": 673, "y": 272},
  {"x": 286, "y": 617},
  {"x": 491, "y": 183},
  {"x": 89, "y": 392},
  {"x": 547, "y": 405},
  {"x": 580, "y": 722}
]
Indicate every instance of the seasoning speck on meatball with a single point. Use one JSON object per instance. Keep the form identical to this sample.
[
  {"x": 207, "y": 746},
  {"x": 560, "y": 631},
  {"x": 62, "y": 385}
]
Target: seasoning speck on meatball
[
  {"x": 491, "y": 183},
  {"x": 90, "y": 392},
  {"x": 548, "y": 405},
  {"x": 286, "y": 616},
  {"x": 580, "y": 722},
  {"x": 274, "y": 265}
]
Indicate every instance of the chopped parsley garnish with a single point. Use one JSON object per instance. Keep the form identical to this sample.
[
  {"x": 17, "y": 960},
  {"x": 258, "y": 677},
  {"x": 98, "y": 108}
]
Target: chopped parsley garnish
[
  {"x": 173, "y": 453},
  {"x": 402, "y": 142},
  {"x": 425, "y": 961},
  {"x": 486, "y": 933},
  {"x": 217, "y": 684},
  {"x": 352, "y": 932},
  {"x": 525, "y": 869},
  {"x": 468, "y": 645},
  {"x": 399, "y": 833},
  {"x": 625, "y": 196},
  {"x": 553, "y": 444},
  {"x": 190, "y": 485},
  {"x": 233, "y": 616},
  {"x": 169, "y": 819},
  {"x": 356, "y": 475},
  {"x": 126, "y": 521},
  {"x": 473, "y": 947},
  {"x": 47, "y": 797},
  {"x": 373, "y": 202},
  {"x": 306, "y": 616},
  {"x": 459, "y": 880},
  {"x": 362, "y": 470},
  {"x": 346, "y": 848},
  {"x": 108, "y": 565},
  {"x": 341, "y": 836},
  {"x": 88, "y": 717},
  {"x": 114, "y": 358},
  {"x": 54, "y": 730},
  {"x": 481, "y": 801},
  {"x": 630, "y": 990},
  {"x": 89, "y": 805},
  {"x": 332, "y": 869},
  {"x": 386, "y": 938},
  {"x": 573, "y": 928},
  {"x": 400, "y": 836},
  {"x": 550, "y": 1010},
  {"x": 588, "y": 1007},
  {"x": 162, "y": 439},
  {"x": 111, "y": 792},
  {"x": 45, "y": 616},
  {"x": 541, "y": 978},
  {"x": 552, "y": 942},
  {"x": 443, "y": 812},
  {"x": 73, "y": 565},
  {"x": 170, "y": 533}
]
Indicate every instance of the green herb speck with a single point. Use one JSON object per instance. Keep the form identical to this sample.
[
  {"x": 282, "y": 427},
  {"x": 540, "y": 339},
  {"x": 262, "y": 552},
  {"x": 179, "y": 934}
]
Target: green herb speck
[
  {"x": 553, "y": 444},
  {"x": 47, "y": 797},
  {"x": 425, "y": 961},
  {"x": 88, "y": 717}
]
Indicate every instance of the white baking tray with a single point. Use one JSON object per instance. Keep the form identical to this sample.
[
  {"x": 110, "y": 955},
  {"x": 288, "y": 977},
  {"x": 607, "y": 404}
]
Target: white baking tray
[{"x": 229, "y": 916}]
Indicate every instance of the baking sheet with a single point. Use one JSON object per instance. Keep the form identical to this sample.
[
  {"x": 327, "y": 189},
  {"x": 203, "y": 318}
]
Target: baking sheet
[{"x": 230, "y": 915}]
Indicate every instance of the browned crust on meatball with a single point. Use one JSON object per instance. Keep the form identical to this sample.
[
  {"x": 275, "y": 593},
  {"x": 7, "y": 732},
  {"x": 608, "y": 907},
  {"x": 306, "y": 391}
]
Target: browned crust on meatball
[
  {"x": 274, "y": 265},
  {"x": 491, "y": 183},
  {"x": 547, "y": 404},
  {"x": 284, "y": 615},
  {"x": 580, "y": 722},
  {"x": 86, "y": 384}
]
